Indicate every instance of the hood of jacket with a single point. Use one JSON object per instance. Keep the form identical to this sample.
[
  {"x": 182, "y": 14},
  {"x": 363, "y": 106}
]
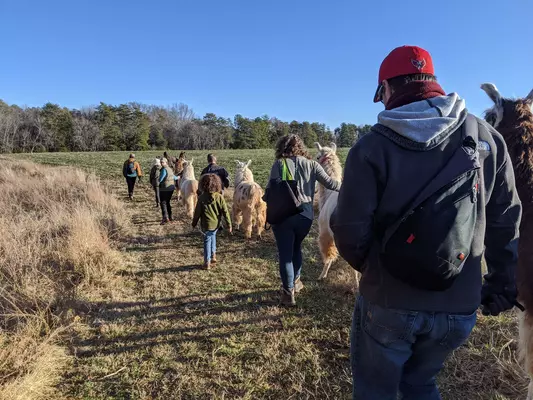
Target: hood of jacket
[
  {"x": 207, "y": 198},
  {"x": 424, "y": 124}
]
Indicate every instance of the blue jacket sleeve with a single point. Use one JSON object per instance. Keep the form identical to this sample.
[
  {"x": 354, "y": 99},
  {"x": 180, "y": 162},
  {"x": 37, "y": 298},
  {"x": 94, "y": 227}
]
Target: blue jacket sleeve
[
  {"x": 352, "y": 222},
  {"x": 162, "y": 175}
]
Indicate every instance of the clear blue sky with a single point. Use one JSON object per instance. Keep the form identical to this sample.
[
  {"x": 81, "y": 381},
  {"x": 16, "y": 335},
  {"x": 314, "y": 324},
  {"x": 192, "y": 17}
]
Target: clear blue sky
[{"x": 313, "y": 60}]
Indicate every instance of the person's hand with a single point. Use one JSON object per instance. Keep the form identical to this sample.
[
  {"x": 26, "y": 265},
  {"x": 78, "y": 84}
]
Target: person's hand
[{"x": 496, "y": 299}]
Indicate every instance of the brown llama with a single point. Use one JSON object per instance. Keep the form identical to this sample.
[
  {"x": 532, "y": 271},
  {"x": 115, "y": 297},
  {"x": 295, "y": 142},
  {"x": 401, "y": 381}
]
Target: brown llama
[
  {"x": 327, "y": 202},
  {"x": 248, "y": 206},
  {"x": 178, "y": 171},
  {"x": 513, "y": 118}
]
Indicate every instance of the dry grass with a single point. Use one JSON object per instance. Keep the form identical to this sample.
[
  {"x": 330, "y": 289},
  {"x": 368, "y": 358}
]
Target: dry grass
[
  {"x": 170, "y": 330},
  {"x": 56, "y": 226}
]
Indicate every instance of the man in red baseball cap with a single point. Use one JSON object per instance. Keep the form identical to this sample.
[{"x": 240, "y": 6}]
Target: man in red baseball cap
[{"x": 426, "y": 194}]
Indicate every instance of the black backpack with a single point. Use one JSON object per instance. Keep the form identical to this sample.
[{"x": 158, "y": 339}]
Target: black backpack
[
  {"x": 282, "y": 197},
  {"x": 429, "y": 245}
]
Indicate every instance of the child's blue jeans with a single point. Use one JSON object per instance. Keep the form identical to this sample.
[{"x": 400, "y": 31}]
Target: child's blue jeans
[{"x": 210, "y": 244}]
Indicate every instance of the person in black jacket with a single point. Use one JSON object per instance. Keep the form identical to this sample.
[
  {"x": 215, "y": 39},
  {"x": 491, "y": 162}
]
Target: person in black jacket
[
  {"x": 402, "y": 334},
  {"x": 214, "y": 168}
]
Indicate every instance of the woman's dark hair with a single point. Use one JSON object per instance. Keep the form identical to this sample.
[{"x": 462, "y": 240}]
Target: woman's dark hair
[
  {"x": 291, "y": 146},
  {"x": 210, "y": 183}
]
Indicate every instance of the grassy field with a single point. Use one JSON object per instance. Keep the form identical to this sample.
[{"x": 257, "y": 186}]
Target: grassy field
[{"x": 170, "y": 330}]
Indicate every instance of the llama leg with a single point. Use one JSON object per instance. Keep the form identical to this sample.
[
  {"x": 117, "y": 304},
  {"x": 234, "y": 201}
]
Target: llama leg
[
  {"x": 237, "y": 216},
  {"x": 247, "y": 222},
  {"x": 328, "y": 252},
  {"x": 190, "y": 207},
  {"x": 530, "y": 390},
  {"x": 357, "y": 279}
]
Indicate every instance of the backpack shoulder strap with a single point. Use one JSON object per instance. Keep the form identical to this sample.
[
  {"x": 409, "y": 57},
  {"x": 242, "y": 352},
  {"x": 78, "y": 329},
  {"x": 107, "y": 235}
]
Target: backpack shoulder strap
[
  {"x": 465, "y": 158},
  {"x": 285, "y": 171}
]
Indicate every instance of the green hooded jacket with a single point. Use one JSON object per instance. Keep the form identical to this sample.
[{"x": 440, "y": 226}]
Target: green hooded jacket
[{"x": 210, "y": 210}]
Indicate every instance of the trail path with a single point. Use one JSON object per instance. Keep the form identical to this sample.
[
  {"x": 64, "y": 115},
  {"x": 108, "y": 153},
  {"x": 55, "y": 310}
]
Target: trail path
[{"x": 171, "y": 330}]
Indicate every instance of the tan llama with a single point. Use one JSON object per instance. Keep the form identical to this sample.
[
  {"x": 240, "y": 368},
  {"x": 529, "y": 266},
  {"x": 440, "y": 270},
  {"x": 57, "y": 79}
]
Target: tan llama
[
  {"x": 188, "y": 187},
  {"x": 327, "y": 202},
  {"x": 248, "y": 206},
  {"x": 513, "y": 118}
]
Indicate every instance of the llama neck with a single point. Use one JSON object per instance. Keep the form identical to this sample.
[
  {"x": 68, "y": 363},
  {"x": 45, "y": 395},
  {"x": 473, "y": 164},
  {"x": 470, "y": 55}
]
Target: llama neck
[
  {"x": 188, "y": 174},
  {"x": 333, "y": 168},
  {"x": 243, "y": 176}
]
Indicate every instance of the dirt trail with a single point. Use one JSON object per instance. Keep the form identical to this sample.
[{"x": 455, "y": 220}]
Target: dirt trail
[{"x": 171, "y": 330}]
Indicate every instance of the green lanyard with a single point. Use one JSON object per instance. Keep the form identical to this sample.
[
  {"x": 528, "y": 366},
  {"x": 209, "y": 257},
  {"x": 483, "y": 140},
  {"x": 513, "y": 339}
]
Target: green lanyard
[{"x": 285, "y": 172}]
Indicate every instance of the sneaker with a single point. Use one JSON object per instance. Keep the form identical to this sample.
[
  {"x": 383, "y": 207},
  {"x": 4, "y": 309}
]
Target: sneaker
[
  {"x": 164, "y": 222},
  {"x": 207, "y": 265},
  {"x": 298, "y": 285},
  {"x": 287, "y": 297},
  {"x": 214, "y": 259}
]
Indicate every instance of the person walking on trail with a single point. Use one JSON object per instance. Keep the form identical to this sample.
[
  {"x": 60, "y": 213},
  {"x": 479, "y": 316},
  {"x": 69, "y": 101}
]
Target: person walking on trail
[
  {"x": 289, "y": 234},
  {"x": 167, "y": 186},
  {"x": 154, "y": 179},
  {"x": 214, "y": 168},
  {"x": 210, "y": 210},
  {"x": 131, "y": 171},
  {"x": 426, "y": 194}
]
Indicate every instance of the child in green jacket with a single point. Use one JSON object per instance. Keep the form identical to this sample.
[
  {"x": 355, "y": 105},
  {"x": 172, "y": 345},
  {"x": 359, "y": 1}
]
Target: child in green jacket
[{"x": 210, "y": 210}]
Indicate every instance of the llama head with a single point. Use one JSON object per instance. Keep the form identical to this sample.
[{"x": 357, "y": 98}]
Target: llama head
[
  {"x": 505, "y": 110},
  {"x": 188, "y": 169},
  {"x": 325, "y": 151},
  {"x": 241, "y": 166},
  {"x": 243, "y": 173}
]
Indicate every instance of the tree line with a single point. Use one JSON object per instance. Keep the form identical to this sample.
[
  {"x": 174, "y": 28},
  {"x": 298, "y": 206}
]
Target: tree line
[{"x": 135, "y": 126}]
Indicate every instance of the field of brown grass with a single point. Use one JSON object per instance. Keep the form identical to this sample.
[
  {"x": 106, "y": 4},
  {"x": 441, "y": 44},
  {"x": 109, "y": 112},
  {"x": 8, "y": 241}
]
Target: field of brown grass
[
  {"x": 163, "y": 328},
  {"x": 55, "y": 227}
]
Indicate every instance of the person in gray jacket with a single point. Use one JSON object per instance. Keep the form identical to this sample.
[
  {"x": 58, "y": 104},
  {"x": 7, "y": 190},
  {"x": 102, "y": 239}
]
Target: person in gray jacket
[
  {"x": 290, "y": 233},
  {"x": 402, "y": 334}
]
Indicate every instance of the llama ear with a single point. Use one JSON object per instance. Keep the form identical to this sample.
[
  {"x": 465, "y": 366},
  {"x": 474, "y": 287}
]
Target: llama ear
[
  {"x": 333, "y": 147},
  {"x": 529, "y": 97},
  {"x": 192, "y": 159},
  {"x": 318, "y": 146},
  {"x": 237, "y": 162},
  {"x": 248, "y": 163},
  {"x": 492, "y": 92}
]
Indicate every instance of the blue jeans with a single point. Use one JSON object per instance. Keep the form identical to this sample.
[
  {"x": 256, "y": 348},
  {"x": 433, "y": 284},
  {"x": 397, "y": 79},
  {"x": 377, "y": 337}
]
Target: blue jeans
[
  {"x": 210, "y": 244},
  {"x": 402, "y": 351},
  {"x": 289, "y": 237}
]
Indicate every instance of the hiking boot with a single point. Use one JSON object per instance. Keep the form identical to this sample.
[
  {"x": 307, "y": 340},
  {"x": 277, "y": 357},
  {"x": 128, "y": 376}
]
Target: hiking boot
[
  {"x": 287, "y": 297},
  {"x": 214, "y": 259},
  {"x": 164, "y": 222},
  {"x": 207, "y": 265},
  {"x": 298, "y": 285}
]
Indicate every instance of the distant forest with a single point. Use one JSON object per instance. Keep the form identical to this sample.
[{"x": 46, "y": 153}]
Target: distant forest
[{"x": 136, "y": 126}]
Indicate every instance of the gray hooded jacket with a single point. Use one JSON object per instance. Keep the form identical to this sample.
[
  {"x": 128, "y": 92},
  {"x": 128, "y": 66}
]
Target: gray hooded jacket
[{"x": 385, "y": 171}]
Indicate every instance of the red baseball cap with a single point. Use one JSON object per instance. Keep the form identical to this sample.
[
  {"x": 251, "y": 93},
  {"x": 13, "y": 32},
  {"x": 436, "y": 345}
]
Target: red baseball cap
[{"x": 404, "y": 60}]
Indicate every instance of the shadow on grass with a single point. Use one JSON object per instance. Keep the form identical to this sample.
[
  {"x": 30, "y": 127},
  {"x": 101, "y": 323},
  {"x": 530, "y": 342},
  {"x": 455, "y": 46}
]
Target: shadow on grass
[{"x": 180, "y": 311}]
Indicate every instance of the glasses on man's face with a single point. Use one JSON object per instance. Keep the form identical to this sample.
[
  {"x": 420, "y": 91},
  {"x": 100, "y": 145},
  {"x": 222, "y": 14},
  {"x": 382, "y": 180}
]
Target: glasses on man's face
[{"x": 381, "y": 90}]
